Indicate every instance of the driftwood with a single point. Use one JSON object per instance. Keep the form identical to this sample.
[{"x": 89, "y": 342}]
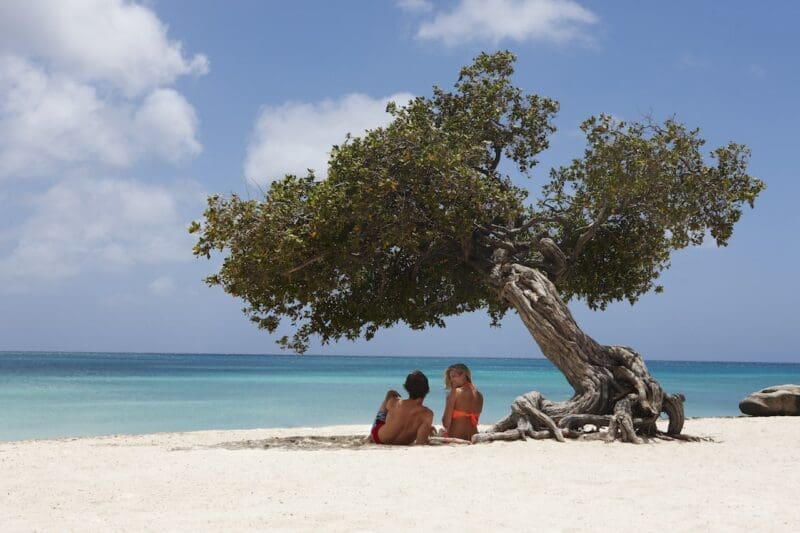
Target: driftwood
[{"x": 447, "y": 440}]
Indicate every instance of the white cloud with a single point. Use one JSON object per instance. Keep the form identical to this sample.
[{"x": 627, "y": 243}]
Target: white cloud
[
  {"x": 98, "y": 225},
  {"x": 166, "y": 124},
  {"x": 50, "y": 123},
  {"x": 46, "y": 122},
  {"x": 85, "y": 84},
  {"x": 114, "y": 42},
  {"x": 161, "y": 286},
  {"x": 85, "y": 90},
  {"x": 558, "y": 21},
  {"x": 415, "y": 5},
  {"x": 297, "y": 136}
]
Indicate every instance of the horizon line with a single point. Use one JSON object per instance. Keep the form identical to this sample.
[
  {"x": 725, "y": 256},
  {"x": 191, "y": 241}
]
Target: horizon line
[{"x": 252, "y": 354}]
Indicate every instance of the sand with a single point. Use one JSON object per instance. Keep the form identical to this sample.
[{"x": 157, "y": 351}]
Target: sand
[{"x": 747, "y": 480}]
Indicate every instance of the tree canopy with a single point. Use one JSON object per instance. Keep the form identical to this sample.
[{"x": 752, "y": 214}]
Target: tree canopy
[{"x": 407, "y": 225}]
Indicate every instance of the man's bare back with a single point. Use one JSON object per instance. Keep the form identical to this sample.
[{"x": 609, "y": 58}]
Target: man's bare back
[
  {"x": 407, "y": 422},
  {"x": 404, "y": 421}
]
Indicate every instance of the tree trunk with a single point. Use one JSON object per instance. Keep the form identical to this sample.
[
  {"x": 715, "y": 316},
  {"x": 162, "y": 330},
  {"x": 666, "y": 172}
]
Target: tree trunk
[{"x": 612, "y": 385}]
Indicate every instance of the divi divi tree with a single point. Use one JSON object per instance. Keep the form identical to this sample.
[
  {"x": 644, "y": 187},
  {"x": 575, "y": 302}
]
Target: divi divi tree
[{"x": 417, "y": 221}]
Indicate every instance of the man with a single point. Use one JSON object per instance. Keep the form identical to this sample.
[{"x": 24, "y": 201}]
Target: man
[{"x": 404, "y": 421}]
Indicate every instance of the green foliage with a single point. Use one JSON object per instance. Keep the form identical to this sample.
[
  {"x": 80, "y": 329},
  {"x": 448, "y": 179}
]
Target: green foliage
[
  {"x": 651, "y": 192},
  {"x": 405, "y": 226}
]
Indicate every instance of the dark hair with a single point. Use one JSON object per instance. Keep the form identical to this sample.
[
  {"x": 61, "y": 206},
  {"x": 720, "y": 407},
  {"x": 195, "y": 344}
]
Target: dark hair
[{"x": 417, "y": 385}]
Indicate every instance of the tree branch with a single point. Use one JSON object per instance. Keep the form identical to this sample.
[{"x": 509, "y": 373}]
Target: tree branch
[
  {"x": 304, "y": 264},
  {"x": 498, "y": 152},
  {"x": 494, "y": 241},
  {"x": 542, "y": 219},
  {"x": 590, "y": 231},
  {"x": 554, "y": 257}
]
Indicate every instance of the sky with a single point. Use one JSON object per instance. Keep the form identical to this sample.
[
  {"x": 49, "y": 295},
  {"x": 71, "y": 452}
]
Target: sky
[{"x": 118, "y": 118}]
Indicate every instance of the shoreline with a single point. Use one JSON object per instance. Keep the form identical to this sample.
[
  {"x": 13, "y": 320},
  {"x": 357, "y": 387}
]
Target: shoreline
[{"x": 227, "y": 480}]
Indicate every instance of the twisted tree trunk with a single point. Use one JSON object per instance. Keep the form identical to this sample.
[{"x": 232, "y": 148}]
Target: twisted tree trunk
[{"x": 612, "y": 385}]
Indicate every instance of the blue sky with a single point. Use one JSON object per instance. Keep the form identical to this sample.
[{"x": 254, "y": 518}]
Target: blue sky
[{"x": 117, "y": 119}]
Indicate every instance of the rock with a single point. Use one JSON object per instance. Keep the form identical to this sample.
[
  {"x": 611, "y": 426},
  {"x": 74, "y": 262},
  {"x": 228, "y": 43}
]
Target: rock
[{"x": 780, "y": 400}]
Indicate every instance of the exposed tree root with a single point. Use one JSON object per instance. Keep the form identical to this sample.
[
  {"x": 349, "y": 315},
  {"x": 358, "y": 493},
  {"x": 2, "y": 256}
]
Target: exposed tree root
[
  {"x": 529, "y": 418},
  {"x": 681, "y": 437},
  {"x": 673, "y": 406}
]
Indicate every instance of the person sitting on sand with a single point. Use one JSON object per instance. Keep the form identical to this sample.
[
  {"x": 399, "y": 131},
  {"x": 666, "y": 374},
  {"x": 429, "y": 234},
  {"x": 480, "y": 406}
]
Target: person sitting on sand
[
  {"x": 404, "y": 421},
  {"x": 464, "y": 403}
]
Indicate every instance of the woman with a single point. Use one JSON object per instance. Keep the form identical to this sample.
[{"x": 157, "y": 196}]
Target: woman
[{"x": 464, "y": 403}]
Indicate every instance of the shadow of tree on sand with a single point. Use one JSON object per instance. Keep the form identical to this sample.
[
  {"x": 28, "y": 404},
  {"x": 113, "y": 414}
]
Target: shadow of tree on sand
[{"x": 327, "y": 442}]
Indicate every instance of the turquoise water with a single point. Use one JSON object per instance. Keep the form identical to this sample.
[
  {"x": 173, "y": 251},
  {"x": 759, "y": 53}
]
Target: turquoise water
[{"x": 46, "y": 394}]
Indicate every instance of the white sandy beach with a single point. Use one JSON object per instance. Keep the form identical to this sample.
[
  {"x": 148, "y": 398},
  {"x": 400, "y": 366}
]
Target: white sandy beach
[{"x": 747, "y": 480}]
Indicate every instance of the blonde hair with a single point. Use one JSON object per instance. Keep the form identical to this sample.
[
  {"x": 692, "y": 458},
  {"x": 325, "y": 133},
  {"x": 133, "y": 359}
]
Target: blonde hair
[{"x": 461, "y": 368}]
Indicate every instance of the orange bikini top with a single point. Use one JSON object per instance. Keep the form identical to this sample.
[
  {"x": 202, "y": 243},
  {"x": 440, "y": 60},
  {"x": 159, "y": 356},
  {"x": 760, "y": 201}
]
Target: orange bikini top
[{"x": 473, "y": 417}]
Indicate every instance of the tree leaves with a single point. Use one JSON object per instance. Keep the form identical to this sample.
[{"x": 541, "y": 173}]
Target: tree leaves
[
  {"x": 406, "y": 225},
  {"x": 647, "y": 190}
]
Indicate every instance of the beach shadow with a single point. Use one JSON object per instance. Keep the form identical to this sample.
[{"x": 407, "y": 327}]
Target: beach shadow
[
  {"x": 331, "y": 442},
  {"x": 354, "y": 442}
]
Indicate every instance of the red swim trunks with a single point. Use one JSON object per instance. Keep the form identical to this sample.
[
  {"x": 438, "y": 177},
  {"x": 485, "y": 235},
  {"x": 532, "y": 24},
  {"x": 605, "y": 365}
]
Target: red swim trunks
[
  {"x": 380, "y": 421},
  {"x": 374, "y": 432}
]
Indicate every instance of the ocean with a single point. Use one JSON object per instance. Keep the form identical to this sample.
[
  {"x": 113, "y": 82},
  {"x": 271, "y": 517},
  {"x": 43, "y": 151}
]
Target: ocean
[{"x": 46, "y": 394}]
